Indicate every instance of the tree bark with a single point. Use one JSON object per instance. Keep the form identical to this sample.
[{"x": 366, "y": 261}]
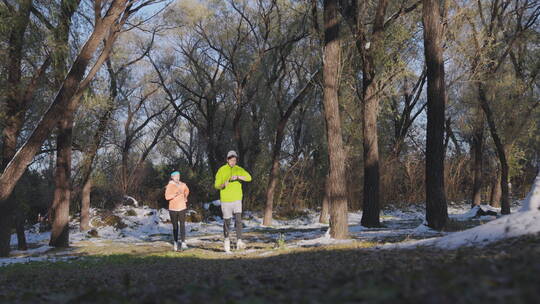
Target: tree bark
[
  {"x": 496, "y": 191},
  {"x": 20, "y": 219},
  {"x": 371, "y": 208},
  {"x": 272, "y": 183},
  {"x": 325, "y": 213},
  {"x": 371, "y": 193},
  {"x": 85, "y": 205},
  {"x": 436, "y": 208},
  {"x": 62, "y": 192},
  {"x": 478, "y": 152},
  {"x": 6, "y": 227},
  {"x": 332, "y": 66}
]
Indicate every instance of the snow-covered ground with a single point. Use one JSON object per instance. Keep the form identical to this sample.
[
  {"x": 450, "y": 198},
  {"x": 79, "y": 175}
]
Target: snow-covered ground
[
  {"x": 401, "y": 229},
  {"x": 525, "y": 221}
]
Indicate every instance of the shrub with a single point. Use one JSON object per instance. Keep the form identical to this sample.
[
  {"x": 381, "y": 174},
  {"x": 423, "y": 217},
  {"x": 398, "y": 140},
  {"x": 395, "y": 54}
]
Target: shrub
[
  {"x": 194, "y": 217},
  {"x": 130, "y": 212},
  {"x": 93, "y": 233}
]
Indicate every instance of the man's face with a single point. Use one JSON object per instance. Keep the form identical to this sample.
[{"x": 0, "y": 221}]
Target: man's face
[
  {"x": 176, "y": 177},
  {"x": 232, "y": 161}
]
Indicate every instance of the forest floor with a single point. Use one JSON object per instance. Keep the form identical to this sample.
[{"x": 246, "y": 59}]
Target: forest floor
[
  {"x": 502, "y": 272},
  {"x": 293, "y": 261}
]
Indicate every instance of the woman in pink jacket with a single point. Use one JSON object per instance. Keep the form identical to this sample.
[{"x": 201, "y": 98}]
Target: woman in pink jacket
[{"x": 176, "y": 193}]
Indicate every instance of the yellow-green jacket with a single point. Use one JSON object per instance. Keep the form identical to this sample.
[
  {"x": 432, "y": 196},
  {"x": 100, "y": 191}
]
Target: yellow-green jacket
[{"x": 233, "y": 191}]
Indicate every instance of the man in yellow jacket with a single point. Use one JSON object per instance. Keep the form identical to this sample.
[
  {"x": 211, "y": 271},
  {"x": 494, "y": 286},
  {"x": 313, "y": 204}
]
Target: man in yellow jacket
[{"x": 228, "y": 182}]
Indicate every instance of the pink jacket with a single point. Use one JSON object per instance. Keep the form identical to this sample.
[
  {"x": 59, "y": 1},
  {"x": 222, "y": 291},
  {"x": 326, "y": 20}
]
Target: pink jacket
[{"x": 176, "y": 194}]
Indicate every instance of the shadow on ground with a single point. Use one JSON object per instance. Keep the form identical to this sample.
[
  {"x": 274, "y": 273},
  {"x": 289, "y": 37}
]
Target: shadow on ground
[{"x": 506, "y": 272}]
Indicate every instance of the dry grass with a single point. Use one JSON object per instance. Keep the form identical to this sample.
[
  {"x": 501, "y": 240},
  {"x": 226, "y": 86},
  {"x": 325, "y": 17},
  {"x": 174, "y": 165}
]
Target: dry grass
[{"x": 506, "y": 272}]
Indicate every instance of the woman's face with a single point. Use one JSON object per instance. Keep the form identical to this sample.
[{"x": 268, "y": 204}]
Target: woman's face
[{"x": 176, "y": 177}]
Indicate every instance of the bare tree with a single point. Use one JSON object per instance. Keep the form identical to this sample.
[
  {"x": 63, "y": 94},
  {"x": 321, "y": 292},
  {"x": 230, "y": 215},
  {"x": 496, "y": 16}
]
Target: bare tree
[
  {"x": 16, "y": 104},
  {"x": 370, "y": 45},
  {"x": 117, "y": 11},
  {"x": 503, "y": 25},
  {"x": 337, "y": 194},
  {"x": 59, "y": 211},
  {"x": 284, "y": 115},
  {"x": 436, "y": 208},
  {"x": 477, "y": 152}
]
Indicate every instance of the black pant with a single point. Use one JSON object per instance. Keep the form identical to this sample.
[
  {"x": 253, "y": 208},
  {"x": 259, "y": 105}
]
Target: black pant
[
  {"x": 237, "y": 225},
  {"x": 178, "y": 216}
]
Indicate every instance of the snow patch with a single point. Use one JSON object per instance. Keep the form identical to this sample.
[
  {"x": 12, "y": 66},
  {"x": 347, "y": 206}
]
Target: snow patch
[{"x": 532, "y": 201}]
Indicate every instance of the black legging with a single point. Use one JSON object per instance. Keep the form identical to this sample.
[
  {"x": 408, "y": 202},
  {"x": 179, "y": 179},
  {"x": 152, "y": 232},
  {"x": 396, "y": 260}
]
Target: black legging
[
  {"x": 178, "y": 216},
  {"x": 237, "y": 225}
]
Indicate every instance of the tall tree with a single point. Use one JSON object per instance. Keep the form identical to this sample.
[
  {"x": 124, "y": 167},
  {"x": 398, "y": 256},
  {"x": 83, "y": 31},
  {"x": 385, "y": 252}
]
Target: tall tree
[
  {"x": 337, "y": 195},
  {"x": 477, "y": 149},
  {"x": 436, "y": 208},
  {"x": 284, "y": 115},
  {"x": 63, "y": 100},
  {"x": 496, "y": 35},
  {"x": 370, "y": 45},
  {"x": 15, "y": 107},
  {"x": 370, "y": 103},
  {"x": 59, "y": 210}
]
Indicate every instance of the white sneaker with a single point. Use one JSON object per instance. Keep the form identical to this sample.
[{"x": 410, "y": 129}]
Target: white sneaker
[
  {"x": 175, "y": 246},
  {"x": 184, "y": 246},
  {"x": 227, "y": 245},
  {"x": 240, "y": 245}
]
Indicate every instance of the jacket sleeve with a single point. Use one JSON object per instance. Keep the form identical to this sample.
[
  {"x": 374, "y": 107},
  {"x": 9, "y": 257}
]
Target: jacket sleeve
[
  {"x": 246, "y": 174},
  {"x": 186, "y": 191},
  {"x": 169, "y": 192},
  {"x": 218, "y": 181}
]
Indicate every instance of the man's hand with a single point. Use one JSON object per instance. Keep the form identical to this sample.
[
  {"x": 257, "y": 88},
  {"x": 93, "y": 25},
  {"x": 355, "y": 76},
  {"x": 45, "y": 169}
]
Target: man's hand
[{"x": 225, "y": 184}]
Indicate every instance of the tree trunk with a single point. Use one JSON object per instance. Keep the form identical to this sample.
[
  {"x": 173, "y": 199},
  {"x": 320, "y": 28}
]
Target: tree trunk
[
  {"x": 496, "y": 191},
  {"x": 272, "y": 183},
  {"x": 280, "y": 134},
  {"x": 500, "y": 148},
  {"x": 325, "y": 213},
  {"x": 13, "y": 172},
  {"x": 20, "y": 219},
  {"x": 62, "y": 192},
  {"x": 87, "y": 163},
  {"x": 12, "y": 124},
  {"x": 274, "y": 173},
  {"x": 371, "y": 193},
  {"x": 436, "y": 208},
  {"x": 332, "y": 66},
  {"x": 85, "y": 205},
  {"x": 478, "y": 152},
  {"x": 6, "y": 227},
  {"x": 371, "y": 209}
]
